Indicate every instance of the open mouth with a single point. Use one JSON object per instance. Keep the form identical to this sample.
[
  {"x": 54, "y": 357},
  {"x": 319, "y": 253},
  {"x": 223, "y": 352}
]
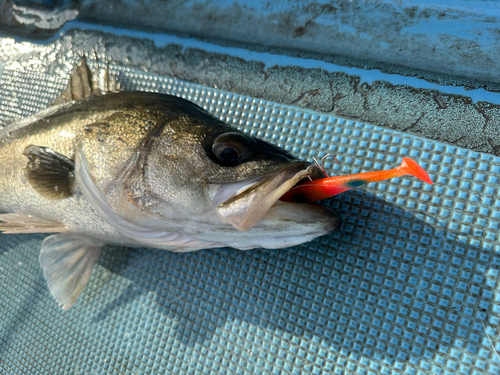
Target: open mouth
[{"x": 244, "y": 203}]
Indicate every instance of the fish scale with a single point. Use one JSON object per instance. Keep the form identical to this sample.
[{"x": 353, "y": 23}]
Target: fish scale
[{"x": 384, "y": 295}]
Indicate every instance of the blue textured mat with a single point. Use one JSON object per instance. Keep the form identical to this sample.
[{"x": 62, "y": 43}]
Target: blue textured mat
[{"x": 386, "y": 294}]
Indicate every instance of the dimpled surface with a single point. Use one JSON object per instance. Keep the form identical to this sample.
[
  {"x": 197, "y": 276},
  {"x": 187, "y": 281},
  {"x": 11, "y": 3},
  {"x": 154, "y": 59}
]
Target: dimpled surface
[{"x": 408, "y": 285}]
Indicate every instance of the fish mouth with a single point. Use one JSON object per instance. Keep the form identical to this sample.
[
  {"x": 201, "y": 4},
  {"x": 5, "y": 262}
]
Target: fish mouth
[{"x": 244, "y": 204}]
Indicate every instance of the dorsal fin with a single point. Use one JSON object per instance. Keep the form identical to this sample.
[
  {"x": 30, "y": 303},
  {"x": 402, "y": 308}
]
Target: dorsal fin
[{"x": 83, "y": 83}]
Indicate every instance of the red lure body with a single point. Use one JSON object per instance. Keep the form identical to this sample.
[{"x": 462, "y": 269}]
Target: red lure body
[{"x": 315, "y": 190}]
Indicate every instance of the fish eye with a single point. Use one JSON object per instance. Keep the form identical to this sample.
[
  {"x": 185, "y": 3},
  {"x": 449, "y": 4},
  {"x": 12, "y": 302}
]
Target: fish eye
[{"x": 230, "y": 149}]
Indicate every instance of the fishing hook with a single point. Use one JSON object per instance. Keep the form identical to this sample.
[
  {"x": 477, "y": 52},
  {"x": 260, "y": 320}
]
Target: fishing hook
[{"x": 321, "y": 165}]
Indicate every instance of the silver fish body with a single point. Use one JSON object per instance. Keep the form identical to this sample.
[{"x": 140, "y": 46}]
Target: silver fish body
[{"x": 145, "y": 169}]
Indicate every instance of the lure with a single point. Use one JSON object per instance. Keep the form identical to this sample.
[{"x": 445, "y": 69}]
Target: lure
[{"x": 315, "y": 190}]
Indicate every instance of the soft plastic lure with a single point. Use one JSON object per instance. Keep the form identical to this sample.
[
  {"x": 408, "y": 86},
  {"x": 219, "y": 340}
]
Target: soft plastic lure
[{"x": 315, "y": 190}]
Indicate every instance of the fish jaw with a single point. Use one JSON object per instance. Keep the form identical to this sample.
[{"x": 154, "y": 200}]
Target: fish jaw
[
  {"x": 254, "y": 207},
  {"x": 291, "y": 224},
  {"x": 245, "y": 209}
]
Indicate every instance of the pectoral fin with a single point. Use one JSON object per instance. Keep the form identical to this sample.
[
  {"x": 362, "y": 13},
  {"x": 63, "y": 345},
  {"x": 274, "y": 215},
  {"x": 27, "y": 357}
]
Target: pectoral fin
[
  {"x": 48, "y": 172},
  {"x": 67, "y": 260}
]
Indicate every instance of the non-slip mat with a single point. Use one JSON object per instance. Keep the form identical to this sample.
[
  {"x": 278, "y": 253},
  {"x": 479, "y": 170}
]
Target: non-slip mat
[{"x": 408, "y": 285}]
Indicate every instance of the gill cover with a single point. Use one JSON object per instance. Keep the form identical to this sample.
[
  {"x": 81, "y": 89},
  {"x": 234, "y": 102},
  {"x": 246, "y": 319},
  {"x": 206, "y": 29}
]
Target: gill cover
[{"x": 137, "y": 233}]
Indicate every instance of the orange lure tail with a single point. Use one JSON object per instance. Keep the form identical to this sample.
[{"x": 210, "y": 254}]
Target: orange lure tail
[{"x": 315, "y": 190}]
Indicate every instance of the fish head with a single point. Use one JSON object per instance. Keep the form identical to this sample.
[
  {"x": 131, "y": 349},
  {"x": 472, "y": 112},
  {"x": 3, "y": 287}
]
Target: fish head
[{"x": 194, "y": 173}]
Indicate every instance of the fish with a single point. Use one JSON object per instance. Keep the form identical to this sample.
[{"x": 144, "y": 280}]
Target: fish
[
  {"x": 318, "y": 189},
  {"x": 144, "y": 169}
]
